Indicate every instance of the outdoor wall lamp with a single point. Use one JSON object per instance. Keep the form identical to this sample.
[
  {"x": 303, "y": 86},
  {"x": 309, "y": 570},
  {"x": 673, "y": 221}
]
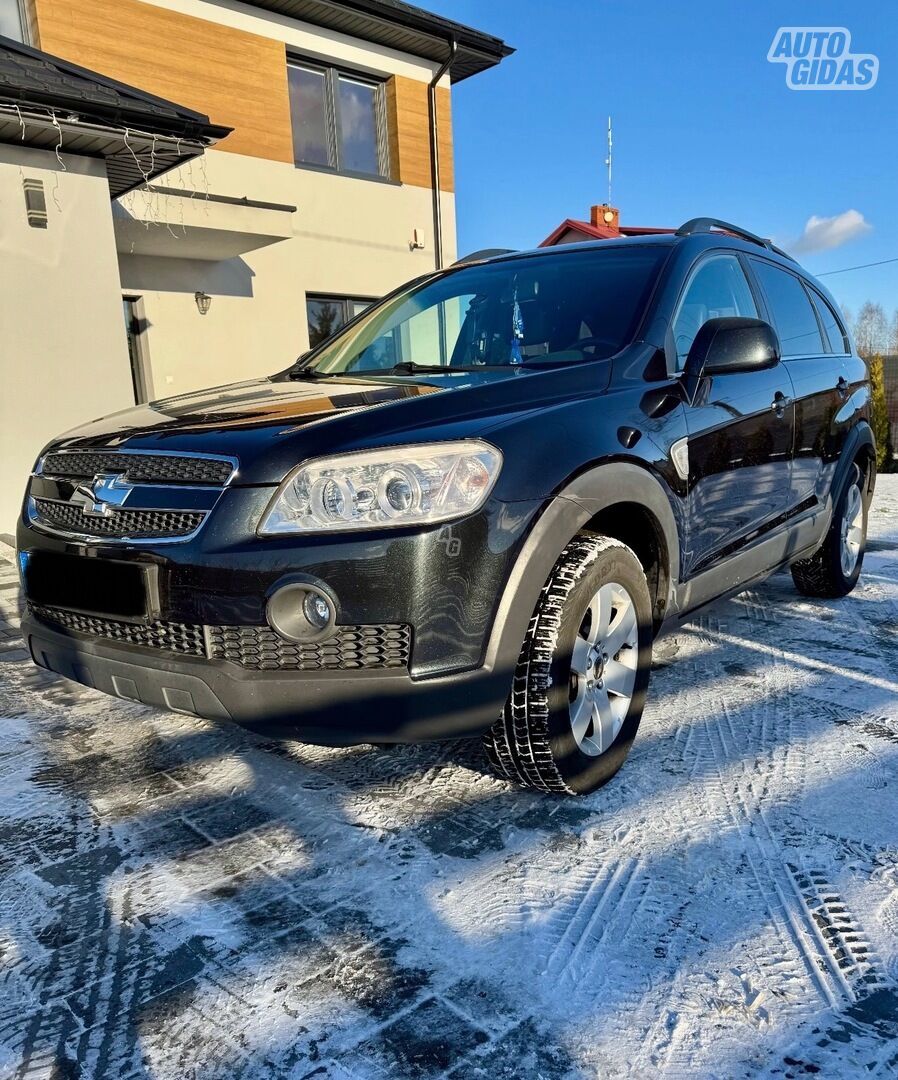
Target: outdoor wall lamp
[{"x": 203, "y": 302}]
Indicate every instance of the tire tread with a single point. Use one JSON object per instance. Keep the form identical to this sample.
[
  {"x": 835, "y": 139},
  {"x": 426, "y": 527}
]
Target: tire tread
[
  {"x": 821, "y": 574},
  {"x": 518, "y": 745}
]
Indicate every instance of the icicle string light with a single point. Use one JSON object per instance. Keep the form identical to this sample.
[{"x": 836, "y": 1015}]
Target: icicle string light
[
  {"x": 55, "y": 121},
  {"x": 151, "y": 214}
]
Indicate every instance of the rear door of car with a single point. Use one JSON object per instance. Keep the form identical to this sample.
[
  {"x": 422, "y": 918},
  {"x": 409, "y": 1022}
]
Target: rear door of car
[{"x": 815, "y": 351}]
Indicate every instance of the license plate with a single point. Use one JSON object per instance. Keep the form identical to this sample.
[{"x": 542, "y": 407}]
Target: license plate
[{"x": 90, "y": 586}]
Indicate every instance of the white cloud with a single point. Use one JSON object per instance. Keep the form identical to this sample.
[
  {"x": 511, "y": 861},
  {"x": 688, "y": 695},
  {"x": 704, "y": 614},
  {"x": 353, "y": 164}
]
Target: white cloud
[{"x": 825, "y": 233}]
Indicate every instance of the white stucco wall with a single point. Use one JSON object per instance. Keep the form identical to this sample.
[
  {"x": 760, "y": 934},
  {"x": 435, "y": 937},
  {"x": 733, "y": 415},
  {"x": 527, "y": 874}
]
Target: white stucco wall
[
  {"x": 351, "y": 237},
  {"x": 63, "y": 357}
]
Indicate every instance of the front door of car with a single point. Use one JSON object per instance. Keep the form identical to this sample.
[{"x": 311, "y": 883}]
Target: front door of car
[
  {"x": 816, "y": 352},
  {"x": 740, "y": 427}
]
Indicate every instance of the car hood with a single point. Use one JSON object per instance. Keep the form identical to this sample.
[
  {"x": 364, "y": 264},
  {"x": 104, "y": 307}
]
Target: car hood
[{"x": 271, "y": 424}]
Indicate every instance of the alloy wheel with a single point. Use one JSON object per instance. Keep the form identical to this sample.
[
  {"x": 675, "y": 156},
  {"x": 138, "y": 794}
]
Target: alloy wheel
[
  {"x": 852, "y": 530},
  {"x": 603, "y": 669}
]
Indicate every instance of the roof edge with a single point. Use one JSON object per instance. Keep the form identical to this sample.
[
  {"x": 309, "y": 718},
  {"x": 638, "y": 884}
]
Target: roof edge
[
  {"x": 190, "y": 124},
  {"x": 478, "y": 51}
]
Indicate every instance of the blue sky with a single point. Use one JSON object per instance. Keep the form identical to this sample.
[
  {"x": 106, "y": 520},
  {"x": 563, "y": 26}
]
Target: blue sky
[{"x": 703, "y": 124}]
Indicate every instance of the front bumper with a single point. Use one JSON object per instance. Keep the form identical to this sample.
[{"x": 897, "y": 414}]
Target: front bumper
[
  {"x": 330, "y": 708},
  {"x": 444, "y": 582}
]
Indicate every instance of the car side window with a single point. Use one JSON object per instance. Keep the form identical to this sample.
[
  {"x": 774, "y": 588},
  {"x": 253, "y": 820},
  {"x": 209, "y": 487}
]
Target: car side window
[
  {"x": 718, "y": 288},
  {"x": 838, "y": 340},
  {"x": 794, "y": 318}
]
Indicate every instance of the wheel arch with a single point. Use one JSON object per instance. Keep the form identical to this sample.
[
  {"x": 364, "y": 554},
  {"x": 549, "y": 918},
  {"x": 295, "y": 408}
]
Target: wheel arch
[
  {"x": 859, "y": 449},
  {"x": 636, "y": 526},
  {"x": 619, "y": 498}
]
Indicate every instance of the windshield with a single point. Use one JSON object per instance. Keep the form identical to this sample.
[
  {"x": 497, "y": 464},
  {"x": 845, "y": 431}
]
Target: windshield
[{"x": 547, "y": 309}]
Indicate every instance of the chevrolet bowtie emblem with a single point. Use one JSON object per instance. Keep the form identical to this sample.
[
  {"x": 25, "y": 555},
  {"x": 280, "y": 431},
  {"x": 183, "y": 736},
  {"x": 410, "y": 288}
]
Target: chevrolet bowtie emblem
[{"x": 107, "y": 492}]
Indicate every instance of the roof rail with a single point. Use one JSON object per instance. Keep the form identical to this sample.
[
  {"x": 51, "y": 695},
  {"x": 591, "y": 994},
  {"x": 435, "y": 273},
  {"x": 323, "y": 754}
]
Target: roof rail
[
  {"x": 485, "y": 253},
  {"x": 706, "y": 224}
]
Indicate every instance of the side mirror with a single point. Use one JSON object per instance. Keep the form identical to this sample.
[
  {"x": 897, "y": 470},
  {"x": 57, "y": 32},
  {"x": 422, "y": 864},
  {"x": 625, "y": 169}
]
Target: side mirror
[{"x": 725, "y": 346}]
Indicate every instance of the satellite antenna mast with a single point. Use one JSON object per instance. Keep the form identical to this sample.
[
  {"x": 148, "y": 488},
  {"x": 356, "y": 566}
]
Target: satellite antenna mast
[{"x": 609, "y": 159}]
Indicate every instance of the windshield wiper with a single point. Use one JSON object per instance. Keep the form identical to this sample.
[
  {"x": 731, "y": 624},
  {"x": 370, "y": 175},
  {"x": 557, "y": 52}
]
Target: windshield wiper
[
  {"x": 410, "y": 367},
  {"x": 308, "y": 373}
]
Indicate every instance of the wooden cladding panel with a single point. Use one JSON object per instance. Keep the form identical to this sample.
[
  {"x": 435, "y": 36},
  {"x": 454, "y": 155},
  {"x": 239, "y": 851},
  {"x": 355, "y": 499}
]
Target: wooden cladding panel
[
  {"x": 409, "y": 124},
  {"x": 236, "y": 79}
]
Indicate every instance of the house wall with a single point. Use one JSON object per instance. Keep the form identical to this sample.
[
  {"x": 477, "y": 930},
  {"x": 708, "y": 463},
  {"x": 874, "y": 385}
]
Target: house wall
[
  {"x": 238, "y": 79},
  {"x": 352, "y": 237},
  {"x": 232, "y": 67},
  {"x": 64, "y": 357}
]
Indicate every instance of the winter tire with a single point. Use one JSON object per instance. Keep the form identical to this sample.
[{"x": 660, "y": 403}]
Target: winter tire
[
  {"x": 833, "y": 570},
  {"x": 580, "y": 683}
]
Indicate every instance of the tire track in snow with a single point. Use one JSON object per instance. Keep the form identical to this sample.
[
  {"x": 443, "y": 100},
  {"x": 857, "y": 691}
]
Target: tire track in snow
[
  {"x": 609, "y": 887},
  {"x": 811, "y": 915},
  {"x": 786, "y": 759},
  {"x": 769, "y": 758}
]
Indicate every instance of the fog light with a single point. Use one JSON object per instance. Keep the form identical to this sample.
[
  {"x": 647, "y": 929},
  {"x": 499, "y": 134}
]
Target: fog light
[
  {"x": 317, "y": 610},
  {"x": 301, "y": 612}
]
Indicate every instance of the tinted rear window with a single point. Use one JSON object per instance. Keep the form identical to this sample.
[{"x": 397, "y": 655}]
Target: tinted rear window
[
  {"x": 793, "y": 316},
  {"x": 838, "y": 342}
]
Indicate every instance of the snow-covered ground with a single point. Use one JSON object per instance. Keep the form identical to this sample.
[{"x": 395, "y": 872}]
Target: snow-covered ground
[{"x": 179, "y": 900}]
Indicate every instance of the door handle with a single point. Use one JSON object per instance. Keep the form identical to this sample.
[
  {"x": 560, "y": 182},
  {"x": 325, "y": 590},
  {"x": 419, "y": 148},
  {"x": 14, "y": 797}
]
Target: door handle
[
  {"x": 780, "y": 403},
  {"x": 843, "y": 387}
]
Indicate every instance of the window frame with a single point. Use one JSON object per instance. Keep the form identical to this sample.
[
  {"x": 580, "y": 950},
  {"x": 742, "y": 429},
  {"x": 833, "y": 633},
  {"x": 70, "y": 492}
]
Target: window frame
[
  {"x": 696, "y": 267},
  {"x": 816, "y": 298},
  {"x": 345, "y": 301},
  {"x": 138, "y": 354},
  {"x": 333, "y": 131},
  {"x": 24, "y": 21}
]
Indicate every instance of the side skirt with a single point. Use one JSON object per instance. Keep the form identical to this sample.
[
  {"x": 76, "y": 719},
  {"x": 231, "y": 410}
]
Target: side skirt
[{"x": 753, "y": 564}]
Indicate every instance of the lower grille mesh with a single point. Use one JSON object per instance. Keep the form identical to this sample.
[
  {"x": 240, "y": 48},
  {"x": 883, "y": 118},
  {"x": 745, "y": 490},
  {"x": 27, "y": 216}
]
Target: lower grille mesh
[
  {"x": 260, "y": 649},
  {"x": 135, "y": 524},
  {"x": 173, "y": 637},
  {"x": 253, "y": 647}
]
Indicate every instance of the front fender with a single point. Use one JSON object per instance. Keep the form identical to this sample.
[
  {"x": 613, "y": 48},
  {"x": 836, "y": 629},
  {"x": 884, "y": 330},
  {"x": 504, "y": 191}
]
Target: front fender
[
  {"x": 625, "y": 482},
  {"x": 563, "y": 516}
]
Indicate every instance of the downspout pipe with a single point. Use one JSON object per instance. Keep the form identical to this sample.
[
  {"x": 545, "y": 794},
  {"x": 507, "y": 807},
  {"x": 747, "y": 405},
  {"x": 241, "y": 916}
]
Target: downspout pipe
[{"x": 435, "y": 155}]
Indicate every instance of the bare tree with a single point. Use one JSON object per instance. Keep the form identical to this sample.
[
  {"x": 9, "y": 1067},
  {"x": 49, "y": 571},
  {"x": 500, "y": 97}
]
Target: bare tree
[
  {"x": 893, "y": 334},
  {"x": 871, "y": 331}
]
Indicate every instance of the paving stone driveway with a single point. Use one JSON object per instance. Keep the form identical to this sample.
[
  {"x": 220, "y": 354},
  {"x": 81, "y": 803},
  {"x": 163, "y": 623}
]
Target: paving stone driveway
[{"x": 184, "y": 900}]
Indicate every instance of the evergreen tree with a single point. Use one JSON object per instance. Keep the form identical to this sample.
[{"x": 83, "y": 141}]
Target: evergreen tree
[{"x": 879, "y": 415}]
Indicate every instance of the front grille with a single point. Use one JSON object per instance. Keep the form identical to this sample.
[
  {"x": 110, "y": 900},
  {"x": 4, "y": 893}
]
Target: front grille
[
  {"x": 134, "y": 524},
  {"x": 172, "y": 637},
  {"x": 260, "y": 649},
  {"x": 139, "y": 468},
  {"x": 255, "y": 648}
]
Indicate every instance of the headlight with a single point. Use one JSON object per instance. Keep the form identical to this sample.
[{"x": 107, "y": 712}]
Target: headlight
[{"x": 375, "y": 489}]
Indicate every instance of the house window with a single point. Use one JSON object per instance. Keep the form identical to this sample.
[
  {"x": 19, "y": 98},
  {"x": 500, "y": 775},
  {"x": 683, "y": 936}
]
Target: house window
[
  {"x": 12, "y": 20},
  {"x": 328, "y": 313},
  {"x": 338, "y": 121}
]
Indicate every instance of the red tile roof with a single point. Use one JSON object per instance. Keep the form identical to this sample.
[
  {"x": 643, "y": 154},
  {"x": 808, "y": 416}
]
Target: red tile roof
[{"x": 597, "y": 232}]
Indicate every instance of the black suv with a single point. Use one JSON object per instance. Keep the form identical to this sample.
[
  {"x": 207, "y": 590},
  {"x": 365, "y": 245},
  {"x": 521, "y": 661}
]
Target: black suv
[{"x": 472, "y": 509}]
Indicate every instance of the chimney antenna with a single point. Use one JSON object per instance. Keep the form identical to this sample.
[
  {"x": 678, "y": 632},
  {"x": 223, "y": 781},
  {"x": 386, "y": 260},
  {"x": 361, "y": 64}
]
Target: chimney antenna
[{"x": 608, "y": 160}]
